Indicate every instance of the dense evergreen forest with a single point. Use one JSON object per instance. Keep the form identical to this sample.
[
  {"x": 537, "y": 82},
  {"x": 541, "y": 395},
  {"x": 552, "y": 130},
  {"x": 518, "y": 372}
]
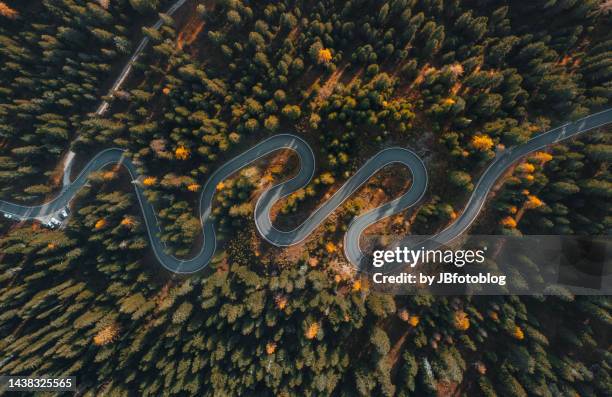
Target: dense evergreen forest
[{"x": 454, "y": 80}]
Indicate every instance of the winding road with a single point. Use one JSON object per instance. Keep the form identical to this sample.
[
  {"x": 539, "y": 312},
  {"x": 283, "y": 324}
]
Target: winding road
[
  {"x": 307, "y": 168},
  {"x": 270, "y": 196}
]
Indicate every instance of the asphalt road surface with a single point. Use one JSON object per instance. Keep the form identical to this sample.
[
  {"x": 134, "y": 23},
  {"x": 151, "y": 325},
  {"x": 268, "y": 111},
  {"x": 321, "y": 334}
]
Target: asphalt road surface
[{"x": 301, "y": 179}]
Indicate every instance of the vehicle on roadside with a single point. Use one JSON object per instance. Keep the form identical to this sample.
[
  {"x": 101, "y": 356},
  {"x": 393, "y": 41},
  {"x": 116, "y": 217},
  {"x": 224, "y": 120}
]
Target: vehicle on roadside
[
  {"x": 64, "y": 213},
  {"x": 8, "y": 216}
]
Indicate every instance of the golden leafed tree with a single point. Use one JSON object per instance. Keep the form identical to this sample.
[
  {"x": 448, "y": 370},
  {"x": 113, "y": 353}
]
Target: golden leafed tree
[
  {"x": 106, "y": 335},
  {"x": 324, "y": 55},
  {"x": 312, "y": 330},
  {"x": 181, "y": 153},
  {"x": 482, "y": 142},
  {"x": 461, "y": 320}
]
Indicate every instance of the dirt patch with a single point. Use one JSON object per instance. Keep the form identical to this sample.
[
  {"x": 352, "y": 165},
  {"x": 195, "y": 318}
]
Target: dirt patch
[
  {"x": 396, "y": 349},
  {"x": 190, "y": 32},
  {"x": 292, "y": 254},
  {"x": 332, "y": 81},
  {"x": 294, "y": 33},
  {"x": 58, "y": 172}
]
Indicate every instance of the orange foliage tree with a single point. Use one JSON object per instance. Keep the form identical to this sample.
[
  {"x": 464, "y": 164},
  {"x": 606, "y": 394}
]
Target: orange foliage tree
[
  {"x": 270, "y": 347},
  {"x": 100, "y": 224},
  {"x": 461, "y": 320},
  {"x": 518, "y": 333},
  {"x": 281, "y": 301},
  {"x": 109, "y": 175},
  {"x": 533, "y": 202},
  {"x": 508, "y": 222},
  {"x": 312, "y": 331},
  {"x": 7, "y": 11},
  {"x": 127, "y": 221},
  {"x": 149, "y": 181},
  {"x": 181, "y": 153},
  {"x": 324, "y": 55}
]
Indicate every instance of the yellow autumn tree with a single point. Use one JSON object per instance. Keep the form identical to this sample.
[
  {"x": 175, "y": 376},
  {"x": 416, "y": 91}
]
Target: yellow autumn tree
[
  {"x": 181, "y": 153},
  {"x": 357, "y": 286},
  {"x": 526, "y": 168},
  {"x": 106, "y": 335},
  {"x": 312, "y": 330},
  {"x": 327, "y": 178},
  {"x": 149, "y": 181},
  {"x": 448, "y": 102},
  {"x": 324, "y": 55},
  {"x": 461, "y": 321},
  {"x": 414, "y": 320},
  {"x": 482, "y": 142},
  {"x": 193, "y": 187},
  {"x": 7, "y": 11},
  {"x": 542, "y": 157}
]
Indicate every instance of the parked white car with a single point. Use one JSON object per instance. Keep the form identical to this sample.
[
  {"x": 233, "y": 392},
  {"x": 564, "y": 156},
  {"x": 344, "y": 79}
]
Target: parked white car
[{"x": 64, "y": 213}]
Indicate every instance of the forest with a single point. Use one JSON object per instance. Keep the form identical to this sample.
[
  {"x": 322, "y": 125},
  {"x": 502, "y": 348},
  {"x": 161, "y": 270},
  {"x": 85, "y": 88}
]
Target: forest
[{"x": 456, "y": 81}]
